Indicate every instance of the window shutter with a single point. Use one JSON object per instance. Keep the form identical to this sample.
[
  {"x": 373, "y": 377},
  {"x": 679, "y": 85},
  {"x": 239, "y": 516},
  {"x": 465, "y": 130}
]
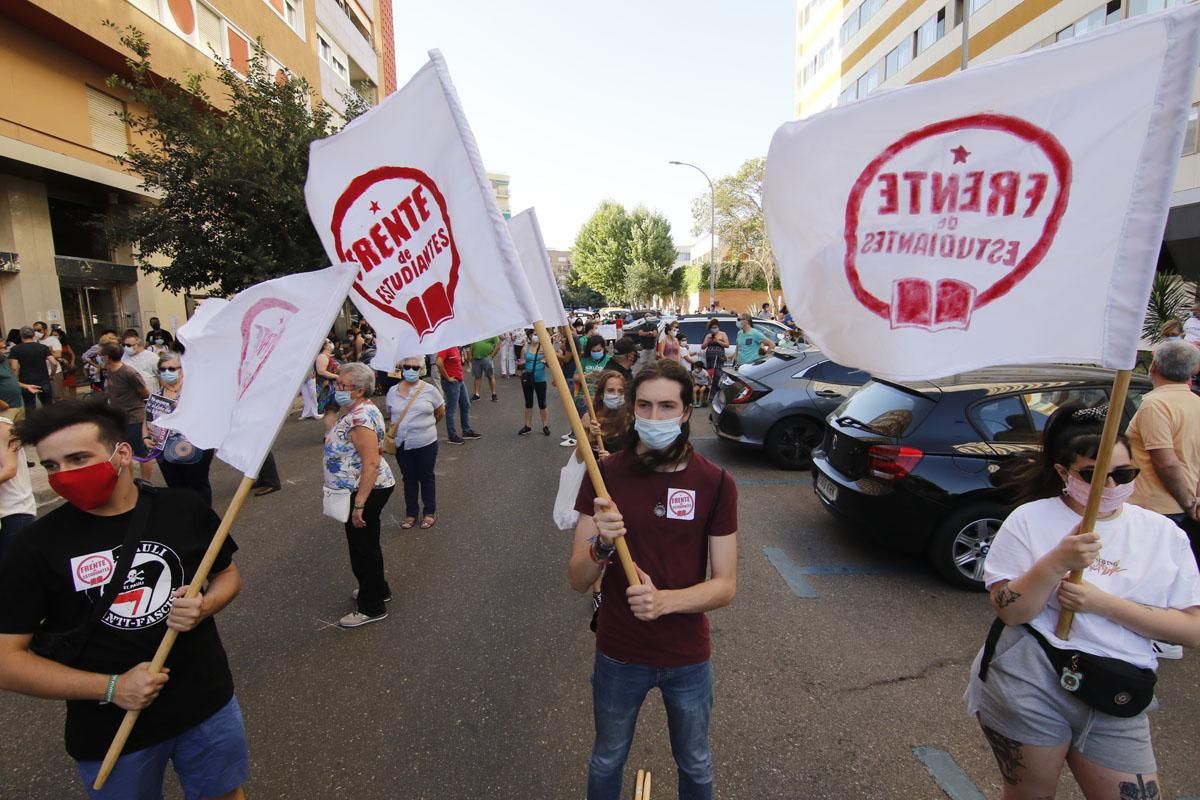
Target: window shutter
[{"x": 108, "y": 130}]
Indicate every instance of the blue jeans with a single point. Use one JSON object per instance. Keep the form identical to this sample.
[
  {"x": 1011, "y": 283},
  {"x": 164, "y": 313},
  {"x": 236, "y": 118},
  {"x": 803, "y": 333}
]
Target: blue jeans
[
  {"x": 456, "y": 401},
  {"x": 618, "y": 690}
]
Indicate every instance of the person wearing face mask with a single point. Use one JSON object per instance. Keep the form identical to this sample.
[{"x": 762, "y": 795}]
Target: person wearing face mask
[
  {"x": 533, "y": 382},
  {"x": 87, "y": 593},
  {"x": 668, "y": 343},
  {"x": 594, "y": 358},
  {"x": 183, "y": 466},
  {"x": 613, "y": 416},
  {"x": 415, "y": 407},
  {"x": 1031, "y": 696},
  {"x": 143, "y": 361},
  {"x": 325, "y": 370},
  {"x": 126, "y": 391},
  {"x": 713, "y": 347},
  {"x": 678, "y": 514},
  {"x": 31, "y": 361}
]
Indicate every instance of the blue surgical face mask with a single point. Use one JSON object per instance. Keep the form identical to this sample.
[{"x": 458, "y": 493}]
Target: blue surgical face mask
[
  {"x": 343, "y": 398},
  {"x": 411, "y": 375},
  {"x": 597, "y": 355},
  {"x": 613, "y": 401},
  {"x": 658, "y": 434},
  {"x": 168, "y": 377}
]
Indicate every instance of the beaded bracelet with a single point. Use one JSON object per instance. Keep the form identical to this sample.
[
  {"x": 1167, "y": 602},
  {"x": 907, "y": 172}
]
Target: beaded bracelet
[{"x": 112, "y": 689}]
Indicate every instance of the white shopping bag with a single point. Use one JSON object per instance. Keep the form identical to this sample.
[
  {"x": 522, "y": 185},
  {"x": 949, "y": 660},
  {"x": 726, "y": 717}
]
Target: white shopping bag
[{"x": 569, "y": 481}]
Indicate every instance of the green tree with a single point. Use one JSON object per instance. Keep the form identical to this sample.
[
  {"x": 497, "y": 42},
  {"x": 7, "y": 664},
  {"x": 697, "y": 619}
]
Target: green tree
[
  {"x": 740, "y": 223},
  {"x": 577, "y": 294},
  {"x": 602, "y": 249},
  {"x": 229, "y": 180},
  {"x": 652, "y": 257},
  {"x": 1169, "y": 300}
]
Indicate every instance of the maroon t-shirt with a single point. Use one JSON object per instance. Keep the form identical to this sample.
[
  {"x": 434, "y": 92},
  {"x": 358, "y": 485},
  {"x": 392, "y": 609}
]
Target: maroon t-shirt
[
  {"x": 697, "y": 502},
  {"x": 452, "y": 357}
]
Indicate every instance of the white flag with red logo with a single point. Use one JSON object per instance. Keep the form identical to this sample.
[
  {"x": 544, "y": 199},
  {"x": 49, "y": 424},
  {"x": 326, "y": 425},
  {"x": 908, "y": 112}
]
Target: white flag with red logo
[
  {"x": 1011, "y": 213},
  {"x": 402, "y": 193},
  {"x": 527, "y": 238},
  {"x": 246, "y": 357}
]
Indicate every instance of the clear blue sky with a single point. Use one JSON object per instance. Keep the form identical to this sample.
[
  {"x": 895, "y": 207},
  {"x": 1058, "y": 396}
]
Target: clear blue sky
[{"x": 582, "y": 101}]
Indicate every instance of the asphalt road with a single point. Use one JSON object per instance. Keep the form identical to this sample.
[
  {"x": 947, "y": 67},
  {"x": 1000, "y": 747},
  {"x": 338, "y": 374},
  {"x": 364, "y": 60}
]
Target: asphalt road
[{"x": 477, "y": 684}]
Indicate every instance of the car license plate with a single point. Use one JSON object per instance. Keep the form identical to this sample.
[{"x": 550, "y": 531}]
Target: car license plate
[{"x": 827, "y": 488}]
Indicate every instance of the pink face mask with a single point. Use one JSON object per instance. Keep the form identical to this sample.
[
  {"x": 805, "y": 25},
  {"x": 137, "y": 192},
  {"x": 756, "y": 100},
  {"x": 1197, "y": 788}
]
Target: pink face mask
[{"x": 1114, "y": 496}]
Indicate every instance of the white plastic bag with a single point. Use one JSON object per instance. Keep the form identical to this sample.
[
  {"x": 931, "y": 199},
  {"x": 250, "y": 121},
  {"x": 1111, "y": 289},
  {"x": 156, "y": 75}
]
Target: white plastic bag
[{"x": 569, "y": 480}]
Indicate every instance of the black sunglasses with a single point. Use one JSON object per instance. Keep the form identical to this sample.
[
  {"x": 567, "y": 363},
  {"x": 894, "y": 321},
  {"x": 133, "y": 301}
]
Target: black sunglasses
[{"x": 1120, "y": 475}]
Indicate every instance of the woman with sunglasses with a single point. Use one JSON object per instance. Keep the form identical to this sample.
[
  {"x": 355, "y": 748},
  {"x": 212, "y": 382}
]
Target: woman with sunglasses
[
  {"x": 1140, "y": 584},
  {"x": 183, "y": 466}
]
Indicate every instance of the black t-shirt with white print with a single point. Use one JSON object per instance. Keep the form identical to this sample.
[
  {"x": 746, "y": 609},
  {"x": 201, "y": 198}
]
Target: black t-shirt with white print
[{"x": 55, "y": 572}]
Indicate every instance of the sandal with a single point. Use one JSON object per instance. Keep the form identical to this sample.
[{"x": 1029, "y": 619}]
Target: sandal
[
  {"x": 408, "y": 523},
  {"x": 428, "y": 522}
]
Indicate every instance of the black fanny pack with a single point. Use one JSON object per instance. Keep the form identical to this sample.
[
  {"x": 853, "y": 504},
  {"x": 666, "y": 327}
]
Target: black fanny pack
[{"x": 1110, "y": 685}]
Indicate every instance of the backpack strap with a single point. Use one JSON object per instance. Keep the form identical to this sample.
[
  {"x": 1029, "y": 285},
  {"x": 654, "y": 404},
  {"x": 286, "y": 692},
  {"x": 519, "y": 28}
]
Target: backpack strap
[{"x": 989, "y": 647}]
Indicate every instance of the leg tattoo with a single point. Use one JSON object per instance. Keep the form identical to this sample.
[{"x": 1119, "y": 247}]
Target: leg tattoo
[
  {"x": 1008, "y": 755},
  {"x": 1142, "y": 790}
]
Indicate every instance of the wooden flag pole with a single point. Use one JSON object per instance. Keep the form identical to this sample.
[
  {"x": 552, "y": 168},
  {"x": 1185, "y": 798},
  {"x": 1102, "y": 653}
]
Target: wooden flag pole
[
  {"x": 168, "y": 640},
  {"x": 589, "y": 458},
  {"x": 1108, "y": 439},
  {"x": 587, "y": 395},
  {"x": 638, "y": 790}
]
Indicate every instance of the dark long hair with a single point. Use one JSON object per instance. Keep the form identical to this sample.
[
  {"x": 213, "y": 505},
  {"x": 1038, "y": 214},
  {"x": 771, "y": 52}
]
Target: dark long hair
[
  {"x": 681, "y": 448},
  {"x": 1072, "y": 431},
  {"x": 613, "y": 424}
]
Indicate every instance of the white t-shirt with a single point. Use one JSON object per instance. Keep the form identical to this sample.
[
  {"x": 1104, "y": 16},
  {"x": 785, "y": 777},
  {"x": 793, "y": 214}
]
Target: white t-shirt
[
  {"x": 16, "y": 493},
  {"x": 419, "y": 428},
  {"x": 55, "y": 346},
  {"x": 146, "y": 364},
  {"x": 1145, "y": 558},
  {"x": 1191, "y": 329}
]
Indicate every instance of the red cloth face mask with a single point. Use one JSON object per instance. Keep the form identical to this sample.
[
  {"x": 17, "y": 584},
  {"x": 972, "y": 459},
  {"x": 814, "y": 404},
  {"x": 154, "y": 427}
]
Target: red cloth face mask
[{"x": 87, "y": 487}]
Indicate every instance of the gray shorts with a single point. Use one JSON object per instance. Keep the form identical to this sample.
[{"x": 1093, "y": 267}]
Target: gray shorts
[
  {"x": 1022, "y": 700},
  {"x": 481, "y": 367}
]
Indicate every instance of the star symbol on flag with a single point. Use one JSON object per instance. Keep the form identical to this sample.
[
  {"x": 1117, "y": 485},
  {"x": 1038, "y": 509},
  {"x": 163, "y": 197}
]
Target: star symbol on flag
[
  {"x": 374, "y": 207},
  {"x": 960, "y": 154}
]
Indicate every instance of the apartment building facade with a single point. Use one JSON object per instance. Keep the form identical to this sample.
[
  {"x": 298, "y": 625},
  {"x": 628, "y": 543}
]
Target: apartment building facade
[
  {"x": 59, "y": 132},
  {"x": 883, "y": 44}
]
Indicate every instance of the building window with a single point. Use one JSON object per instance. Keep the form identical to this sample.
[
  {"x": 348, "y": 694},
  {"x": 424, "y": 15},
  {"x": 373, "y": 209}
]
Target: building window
[
  {"x": 108, "y": 128},
  {"x": 239, "y": 51},
  {"x": 978, "y": 4},
  {"x": 1137, "y": 7},
  {"x": 332, "y": 56},
  {"x": 907, "y": 50},
  {"x": 289, "y": 14},
  {"x": 212, "y": 42},
  {"x": 848, "y": 95},
  {"x": 850, "y": 26},
  {"x": 891, "y": 63},
  {"x": 1189, "y": 138}
]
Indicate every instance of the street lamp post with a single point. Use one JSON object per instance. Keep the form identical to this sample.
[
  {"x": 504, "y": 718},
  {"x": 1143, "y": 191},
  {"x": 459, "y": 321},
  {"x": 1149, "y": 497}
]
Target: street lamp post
[{"x": 712, "y": 229}]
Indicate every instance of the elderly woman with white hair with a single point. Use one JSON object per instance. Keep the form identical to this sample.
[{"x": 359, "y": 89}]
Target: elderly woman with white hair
[
  {"x": 415, "y": 407},
  {"x": 353, "y": 462}
]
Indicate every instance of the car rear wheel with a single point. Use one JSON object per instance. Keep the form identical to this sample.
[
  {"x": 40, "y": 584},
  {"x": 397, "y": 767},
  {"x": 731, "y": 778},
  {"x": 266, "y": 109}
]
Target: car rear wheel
[
  {"x": 962, "y": 541},
  {"x": 790, "y": 442}
]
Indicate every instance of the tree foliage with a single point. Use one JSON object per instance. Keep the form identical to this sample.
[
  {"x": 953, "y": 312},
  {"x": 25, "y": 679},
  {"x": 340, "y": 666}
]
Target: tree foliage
[
  {"x": 625, "y": 255},
  {"x": 740, "y": 224},
  {"x": 229, "y": 182},
  {"x": 577, "y": 294},
  {"x": 652, "y": 256},
  {"x": 1169, "y": 300}
]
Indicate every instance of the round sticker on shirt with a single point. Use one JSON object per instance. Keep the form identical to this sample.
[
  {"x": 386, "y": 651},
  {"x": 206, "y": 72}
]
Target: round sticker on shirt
[
  {"x": 145, "y": 597},
  {"x": 681, "y": 504}
]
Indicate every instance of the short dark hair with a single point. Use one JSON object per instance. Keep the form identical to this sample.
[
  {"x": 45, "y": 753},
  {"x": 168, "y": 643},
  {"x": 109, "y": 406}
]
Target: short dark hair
[
  {"x": 131, "y": 332},
  {"x": 624, "y": 346},
  {"x": 39, "y": 322},
  {"x": 53, "y": 418},
  {"x": 595, "y": 340},
  {"x": 111, "y": 352}
]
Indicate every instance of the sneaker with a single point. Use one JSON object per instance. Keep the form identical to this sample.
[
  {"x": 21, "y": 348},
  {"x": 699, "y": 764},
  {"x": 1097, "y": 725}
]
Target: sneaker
[
  {"x": 471, "y": 435},
  {"x": 455, "y": 440},
  {"x": 1168, "y": 650},
  {"x": 356, "y": 619},
  {"x": 493, "y": 398},
  {"x": 567, "y": 442},
  {"x": 546, "y": 430},
  {"x": 526, "y": 429},
  {"x": 354, "y": 596},
  {"x": 474, "y": 397},
  {"x": 567, "y": 436}
]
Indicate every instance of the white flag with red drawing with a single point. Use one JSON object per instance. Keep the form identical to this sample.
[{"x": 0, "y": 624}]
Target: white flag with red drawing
[
  {"x": 1011, "y": 213},
  {"x": 402, "y": 193},
  {"x": 527, "y": 238},
  {"x": 246, "y": 357}
]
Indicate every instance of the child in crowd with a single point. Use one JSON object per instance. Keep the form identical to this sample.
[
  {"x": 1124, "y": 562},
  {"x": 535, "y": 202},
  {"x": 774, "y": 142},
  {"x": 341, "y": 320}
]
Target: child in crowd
[{"x": 700, "y": 382}]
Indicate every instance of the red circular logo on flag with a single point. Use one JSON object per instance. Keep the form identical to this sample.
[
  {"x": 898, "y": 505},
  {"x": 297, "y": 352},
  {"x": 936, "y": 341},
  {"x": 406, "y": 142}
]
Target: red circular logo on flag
[
  {"x": 951, "y": 217},
  {"x": 393, "y": 223}
]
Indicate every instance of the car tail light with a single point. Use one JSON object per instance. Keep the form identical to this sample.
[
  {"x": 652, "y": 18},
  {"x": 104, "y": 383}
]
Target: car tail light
[
  {"x": 891, "y": 462},
  {"x": 743, "y": 392}
]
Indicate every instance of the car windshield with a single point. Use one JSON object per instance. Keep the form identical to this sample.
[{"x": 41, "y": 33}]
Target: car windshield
[{"x": 885, "y": 409}]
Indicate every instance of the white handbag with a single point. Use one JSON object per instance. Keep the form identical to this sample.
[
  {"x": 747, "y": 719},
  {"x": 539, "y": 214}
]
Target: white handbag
[
  {"x": 336, "y": 503},
  {"x": 570, "y": 478}
]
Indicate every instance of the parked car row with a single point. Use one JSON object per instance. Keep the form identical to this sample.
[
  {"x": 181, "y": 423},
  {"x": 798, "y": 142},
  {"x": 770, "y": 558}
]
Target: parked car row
[{"x": 915, "y": 466}]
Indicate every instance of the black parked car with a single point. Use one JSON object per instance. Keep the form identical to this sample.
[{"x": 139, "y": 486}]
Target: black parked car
[
  {"x": 915, "y": 464},
  {"x": 780, "y": 402}
]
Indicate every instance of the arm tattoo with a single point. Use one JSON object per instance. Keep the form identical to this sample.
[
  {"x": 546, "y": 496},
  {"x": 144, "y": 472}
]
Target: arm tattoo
[
  {"x": 1008, "y": 756},
  {"x": 1004, "y": 597},
  {"x": 1142, "y": 790}
]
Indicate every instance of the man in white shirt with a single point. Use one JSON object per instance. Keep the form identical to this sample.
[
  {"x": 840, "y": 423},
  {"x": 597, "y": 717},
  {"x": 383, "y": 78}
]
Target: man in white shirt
[
  {"x": 1191, "y": 326},
  {"x": 144, "y": 361}
]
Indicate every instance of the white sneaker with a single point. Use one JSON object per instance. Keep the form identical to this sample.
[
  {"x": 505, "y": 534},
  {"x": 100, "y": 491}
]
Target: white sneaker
[
  {"x": 567, "y": 442},
  {"x": 567, "y": 436},
  {"x": 356, "y": 618},
  {"x": 1168, "y": 650}
]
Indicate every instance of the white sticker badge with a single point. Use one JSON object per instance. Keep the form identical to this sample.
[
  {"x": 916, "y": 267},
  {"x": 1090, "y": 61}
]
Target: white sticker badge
[
  {"x": 92, "y": 570},
  {"x": 681, "y": 504}
]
